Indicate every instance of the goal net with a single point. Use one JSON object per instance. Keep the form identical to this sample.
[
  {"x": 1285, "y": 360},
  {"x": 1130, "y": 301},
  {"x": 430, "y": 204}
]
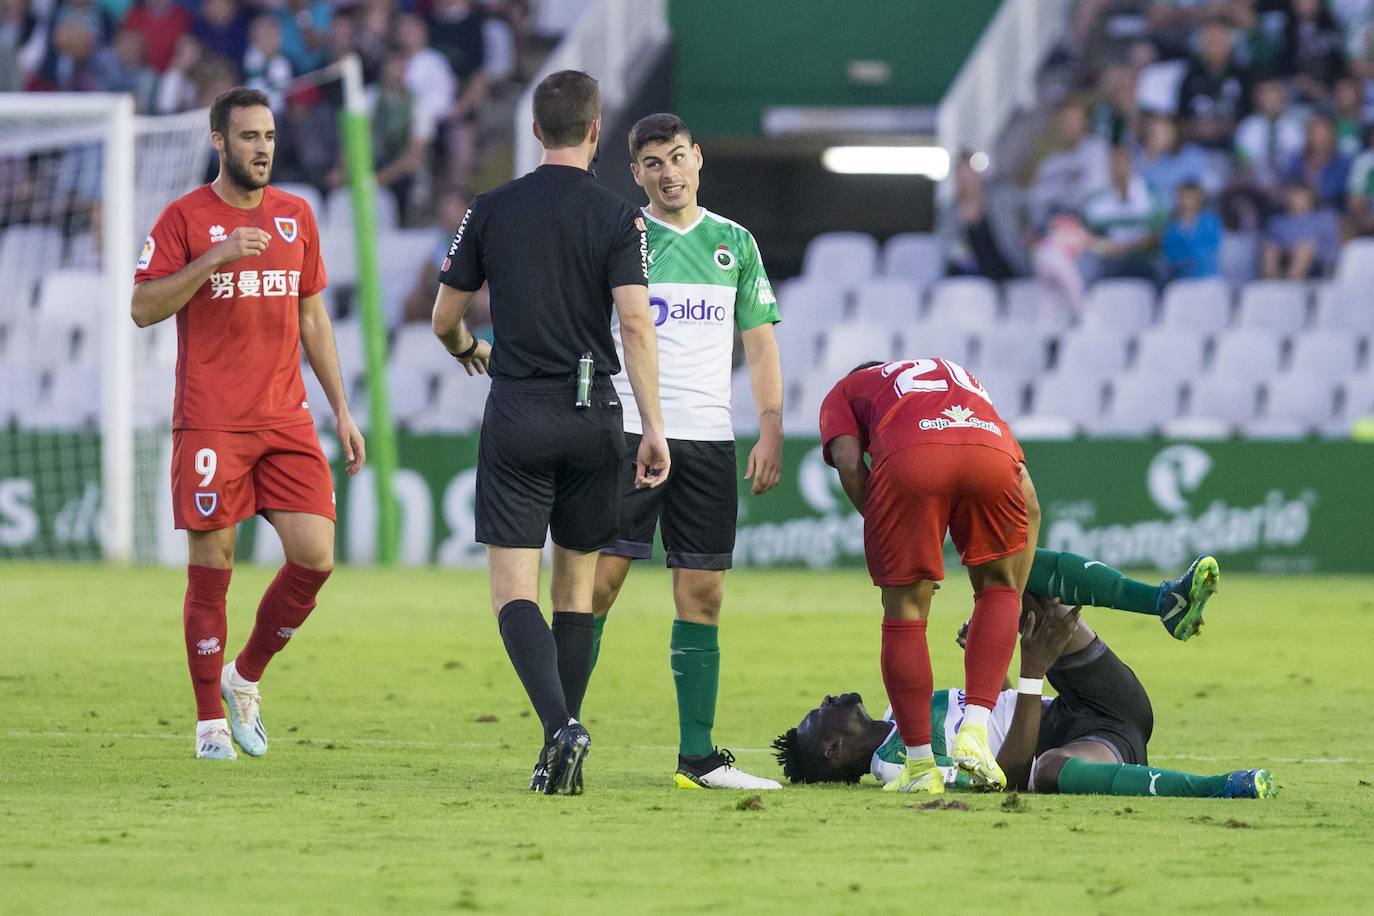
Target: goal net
[{"x": 85, "y": 401}]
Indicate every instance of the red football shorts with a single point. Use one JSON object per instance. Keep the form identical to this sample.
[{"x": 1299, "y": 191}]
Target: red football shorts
[
  {"x": 918, "y": 493},
  {"x": 221, "y": 478}
]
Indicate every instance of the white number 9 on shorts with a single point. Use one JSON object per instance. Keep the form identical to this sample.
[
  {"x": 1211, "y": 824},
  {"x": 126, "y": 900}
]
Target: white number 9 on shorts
[{"x": 205, "y": 463}]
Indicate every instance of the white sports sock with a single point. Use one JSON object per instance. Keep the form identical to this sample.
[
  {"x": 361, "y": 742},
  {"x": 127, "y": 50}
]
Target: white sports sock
[
  {"x": 235, "y": 678},
  {"x": 977, "y": 715},
  {"x": 205, "y": 725},
  {"x": 917, "y": 751}
]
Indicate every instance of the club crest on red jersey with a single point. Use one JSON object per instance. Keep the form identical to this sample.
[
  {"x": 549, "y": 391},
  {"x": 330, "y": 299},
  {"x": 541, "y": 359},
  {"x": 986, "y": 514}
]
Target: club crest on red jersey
[
  {"x": 286, "y": 228},
  {"x": 206, "y": 503}
]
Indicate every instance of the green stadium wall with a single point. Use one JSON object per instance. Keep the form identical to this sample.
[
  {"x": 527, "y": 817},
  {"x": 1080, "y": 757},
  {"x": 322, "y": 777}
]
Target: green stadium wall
[
  {"x": 1279, "y": 507},
  {"x": 732, "y": 60}
]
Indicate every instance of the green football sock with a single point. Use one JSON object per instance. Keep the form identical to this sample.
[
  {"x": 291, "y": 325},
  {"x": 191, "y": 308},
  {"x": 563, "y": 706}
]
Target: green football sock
[
  {"x": 598, "y": 624},
  {"x": 1078, "y": 580},
  {"x": 694, "y": 655},
  {"x": 1079, "y": 777}
]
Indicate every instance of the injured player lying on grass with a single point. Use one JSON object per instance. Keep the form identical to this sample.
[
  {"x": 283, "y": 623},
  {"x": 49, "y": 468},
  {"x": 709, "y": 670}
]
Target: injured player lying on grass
[{"x": 1090, "y": 740}]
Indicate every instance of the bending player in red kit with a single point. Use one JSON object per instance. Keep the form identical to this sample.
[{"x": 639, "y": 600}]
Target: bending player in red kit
[
  {"x": 238, "y": 263},
  {"x": 942, "y": 460}
]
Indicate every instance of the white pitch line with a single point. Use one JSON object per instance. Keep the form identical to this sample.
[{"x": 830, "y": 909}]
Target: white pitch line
[{"x": 368, "y": 742}]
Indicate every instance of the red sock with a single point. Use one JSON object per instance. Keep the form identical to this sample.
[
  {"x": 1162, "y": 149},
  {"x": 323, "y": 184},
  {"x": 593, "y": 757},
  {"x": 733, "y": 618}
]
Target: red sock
[
  {"x": 284, "y": 606},
  {"x": 905, "y": 663},
  {"x": 206, "y": 625},
  {"x": 989, "y": 643}
]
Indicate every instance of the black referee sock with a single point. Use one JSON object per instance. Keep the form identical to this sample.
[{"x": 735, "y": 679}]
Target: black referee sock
[
  {"x": 534, "y": 656},
  {"x": 574, "y": 634}
]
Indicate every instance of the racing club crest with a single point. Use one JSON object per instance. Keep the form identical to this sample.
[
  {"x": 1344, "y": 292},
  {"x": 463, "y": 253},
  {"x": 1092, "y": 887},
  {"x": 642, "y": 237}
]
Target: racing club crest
[
  {"x": 286, "y": 228},
  {"x": 206, "y": 503}
]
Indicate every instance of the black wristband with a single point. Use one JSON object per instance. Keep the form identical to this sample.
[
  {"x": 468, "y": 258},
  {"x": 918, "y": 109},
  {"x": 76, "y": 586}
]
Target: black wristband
[{"x": 467, "y": 354}]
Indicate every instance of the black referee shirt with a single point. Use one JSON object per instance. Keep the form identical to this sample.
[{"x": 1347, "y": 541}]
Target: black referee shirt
[{"x": 551, "y": 244}]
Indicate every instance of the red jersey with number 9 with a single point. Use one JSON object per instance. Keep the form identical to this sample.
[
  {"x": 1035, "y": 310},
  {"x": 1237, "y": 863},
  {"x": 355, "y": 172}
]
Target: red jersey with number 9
[
  {"x": 238, "y": 338},
  {"x": 912, "y": 402}
]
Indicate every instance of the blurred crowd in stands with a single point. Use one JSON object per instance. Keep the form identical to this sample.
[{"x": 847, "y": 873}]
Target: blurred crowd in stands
[
  {"x": 1182, "y": 123},
  {"x": 432, "y": 68}
]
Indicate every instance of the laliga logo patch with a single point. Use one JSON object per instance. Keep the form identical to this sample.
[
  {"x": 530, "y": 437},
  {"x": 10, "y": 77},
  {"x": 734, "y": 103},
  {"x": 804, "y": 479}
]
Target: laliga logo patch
[
  {"x": 149, "y": 247},
  {"x": 286, "y": 228},
  {"x": 206, "y": 503},
  {"x": 724, "y": 259}
]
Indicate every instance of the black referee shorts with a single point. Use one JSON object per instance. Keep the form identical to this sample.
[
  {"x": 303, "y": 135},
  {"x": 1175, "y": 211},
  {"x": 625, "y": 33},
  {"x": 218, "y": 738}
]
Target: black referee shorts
[
  {"x": 543, "y": 465},
  {"x": 1099, "y": 697},
  {"x": 696, "y": 507}
]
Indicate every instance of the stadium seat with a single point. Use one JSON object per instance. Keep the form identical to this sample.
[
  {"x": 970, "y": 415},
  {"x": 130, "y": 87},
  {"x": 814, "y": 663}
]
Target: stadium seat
[
  {"x": 849, "y": 344},
  {"x": 917, "y": 257},
  {"x": 1223, "y": 397},
  {"x": 890, "y": 302},
  {"x": 743, "y": 413},
  {"x": 1332, "y": 352},
  {"x": 1298, "y": 405},
  {"x": 1239, "y": 257},
  {"x": 154, "y": 391},
  {"x": 70, "y": 400},
  {"x": 29, "y": 251},
  {"x": 320, "y": 410},
  {"x": 306, "y": 192},
  {"x": 844, "y": 258},
  {"x": 1099, "y": 352},
  {"x": 459, "y": 404},
  {"x": 18, "y": 389},
  {"x": 339, "y": 210},
  {"x": 963, "y": 302},
  {"x": 1030, "y": 302},
  {"x": 1355, "y": 264},
  {"x": 57, "y": 341},
  {"x": 1013, "y": 349},
  {"x": 1036, "y": 428},
  {"x": 1124, "y": 303},
  {"x": 83, "y": 253},
  {"x": 1140, "y": 403},
  {"x": 157, "y": 343},
  {"x": 1357, "y": 402},
  {"x": 918, "y": 340},
  {"x": 348, "y": 339},
  {"x": 1156, "y": 89},
  {"x": 1197, "y": 428},
  {"x": 72, "y": 295},
  {"x": 1202, "y": 305},
  {"x": 1279, "y": 305},
  {"x": 798, "y": 345},
  {"x": 812, "y": 302},
  {"x": 1345, "y": 306},
  {"x": 1007, "y": 390},
  {"x": 1169, "y": 352},
  {"x": 402, "y": 253},
  {"x": 416, "y": 349},
  {"x": 1251, "y": 354},
  {"x": 410, "y": 392},
  {"x": 803, "y": 406},
  {"x": 340, "y": 255},
  {"x": 1070, "y": 395}
]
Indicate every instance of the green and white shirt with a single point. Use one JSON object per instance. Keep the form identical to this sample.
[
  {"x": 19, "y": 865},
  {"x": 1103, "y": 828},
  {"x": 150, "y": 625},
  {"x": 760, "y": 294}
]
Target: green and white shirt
[
  {"x": 946, "y": 715},
  {"x": 704, "y": 281}
]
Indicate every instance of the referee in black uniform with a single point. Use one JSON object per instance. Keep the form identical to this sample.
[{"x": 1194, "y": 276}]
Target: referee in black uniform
[{"x": 556, "y": 249}]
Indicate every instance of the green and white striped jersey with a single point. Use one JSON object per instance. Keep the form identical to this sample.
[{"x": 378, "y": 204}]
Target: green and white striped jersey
[
  {"x": 946, "y": 714},
  {"x": 704, "y": 281}
]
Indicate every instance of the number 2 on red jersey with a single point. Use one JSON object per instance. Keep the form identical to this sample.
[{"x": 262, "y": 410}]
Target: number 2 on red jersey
[{"x": 909, "y": 377}]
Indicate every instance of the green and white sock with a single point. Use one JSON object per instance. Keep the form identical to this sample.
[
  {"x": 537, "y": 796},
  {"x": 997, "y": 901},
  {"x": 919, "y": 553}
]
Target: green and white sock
[
  {"x": 1078, "y": 580},
  {"x": 1079, "y": 777},
  {"x": 694, "y": 656},
  {"x": 598, "y": 624}
]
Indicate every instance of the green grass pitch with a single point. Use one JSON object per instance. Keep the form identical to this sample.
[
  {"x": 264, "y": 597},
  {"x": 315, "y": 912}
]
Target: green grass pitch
[{"x": 401, "y": 745}]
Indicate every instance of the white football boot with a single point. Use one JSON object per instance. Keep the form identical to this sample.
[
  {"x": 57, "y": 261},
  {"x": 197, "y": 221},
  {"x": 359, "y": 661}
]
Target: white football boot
[
  {"x": 244, "y": 719},
  {"x": 717, "y": 771},
  {"x": 213, "y": 741}
]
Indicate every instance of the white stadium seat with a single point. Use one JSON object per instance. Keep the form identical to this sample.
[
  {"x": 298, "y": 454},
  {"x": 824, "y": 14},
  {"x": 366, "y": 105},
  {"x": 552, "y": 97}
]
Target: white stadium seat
[
  {"x": 1070, "y": 395},
  {"x": 401, "y": 254},
  {"x": 339, "y": 209},
  {"x": 416, "y": 349},
  {"x": 743, "y": 414},
  {"x": 1328, "y": 351},
  {"x": 803, "y": 406},
  {"x": 1357, "y": 402},
  {"x": 917, "y": 257},
  {"x": 847, "y": 345},
  {"x": 1015, "y": 349},
  {"x": 1203, "y": 305},
  {"x": 845, "y": 258},
  {"x": 1279, "y": 305},
  {"x": 70, "y": 400},
  {"x": 1297, "y": 406},
  {"x": 1007, "y": 390},
  {"x": 1239, "y": 257},
  {"x": 1223, "y": 397},
  {"x": 812, "y": 302},
  {"x": 410, "y": 392},
  {"x": 963, "y": 302},
  {"x": 308, "y": 193},
  {"x": 74, "y": 295},
  {"x": 918, "y": 340},
  {"x": 1141, "y": 402},
  {"x": 1123, "y": 303},
  {"x": 1247, "y": 353},
  {"x": 1030, "y": 302},
  {"x": 1093, "y": 351},
  {"x": 1169, "y": 352},
  {"x": 458, "y": 404},
  {"x": 1197, "y": 428},
  {"x": 29, "y": 251},
  {"x": 348, "y": 339},
  {"x": 1355, "y": 264},
  {"x": 889, "y": 301},
  {"x": 1345, "y": 306}
]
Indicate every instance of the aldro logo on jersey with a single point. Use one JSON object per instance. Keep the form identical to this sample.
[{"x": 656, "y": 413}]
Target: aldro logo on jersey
[{"x": 688, "y": 312}]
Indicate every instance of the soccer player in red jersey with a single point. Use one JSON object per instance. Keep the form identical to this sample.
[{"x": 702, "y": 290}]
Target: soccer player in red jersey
[
  {"x": 238, "y": 263},
  {"x": 942, "y": 460}
]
